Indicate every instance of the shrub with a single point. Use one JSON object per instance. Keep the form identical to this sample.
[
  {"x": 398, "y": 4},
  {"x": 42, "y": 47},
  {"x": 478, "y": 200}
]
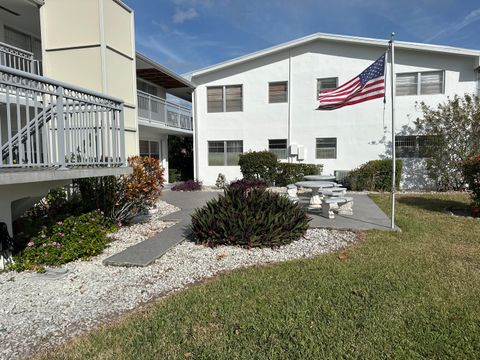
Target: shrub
[
  {"x": 174, "y": 175},
  {"x": 375, "y": 175},
  {"x": 259, "y": 165},
  {"x": 455, "y": 126},
  {"x": 121, "y": 198},
  {"x": 189, "y": 185},
  {"x": 246, "y": 184},
  {"x": 471, "y": 171},
  {"x": 77, "y": 237},
  {"x": 249, "y": 217},
  {"x": 289, "y": 173}
]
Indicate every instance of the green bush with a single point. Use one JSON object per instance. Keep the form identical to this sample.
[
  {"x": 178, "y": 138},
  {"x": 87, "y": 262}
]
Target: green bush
[
  {"x": 375, "y": 175},
  {"x": 471, "y": 171},
  {"x": 77, "y": 237},
  {"x": 289, "y": 173},
  {"x": 259, "y": 165},
  {"x": 174, "y": 175},
  {"x": 248, "y": 217}
]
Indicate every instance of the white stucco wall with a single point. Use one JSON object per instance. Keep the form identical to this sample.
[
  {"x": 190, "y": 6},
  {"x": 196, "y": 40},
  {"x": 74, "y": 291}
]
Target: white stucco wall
[{"x": 359, "y": 129}]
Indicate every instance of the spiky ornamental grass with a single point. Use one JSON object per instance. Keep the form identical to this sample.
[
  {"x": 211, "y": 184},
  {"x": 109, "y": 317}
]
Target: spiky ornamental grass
[{"x": 249, "y": 217}]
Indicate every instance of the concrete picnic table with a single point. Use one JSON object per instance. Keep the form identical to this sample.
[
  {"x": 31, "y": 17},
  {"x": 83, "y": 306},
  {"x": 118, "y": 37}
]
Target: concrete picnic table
[
  {"x": 320, "y": 178},
  {"x": 315, "y": 200}
]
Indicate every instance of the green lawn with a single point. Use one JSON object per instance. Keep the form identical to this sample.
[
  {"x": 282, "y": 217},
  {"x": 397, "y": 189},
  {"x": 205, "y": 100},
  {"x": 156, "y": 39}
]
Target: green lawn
[{"x": 408, "y": 295}]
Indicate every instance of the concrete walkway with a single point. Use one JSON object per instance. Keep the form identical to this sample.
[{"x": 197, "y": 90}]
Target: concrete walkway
[
  {"x": 146, "y": 252},
  {"x": 366, "y": 215}
]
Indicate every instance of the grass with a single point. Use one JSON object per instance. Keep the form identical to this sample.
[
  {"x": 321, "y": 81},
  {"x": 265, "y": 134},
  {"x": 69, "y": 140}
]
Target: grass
[{"x": 408, "y": 295}]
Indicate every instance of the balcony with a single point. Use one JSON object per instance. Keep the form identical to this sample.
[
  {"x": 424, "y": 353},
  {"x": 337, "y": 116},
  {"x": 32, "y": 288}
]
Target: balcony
[
  {"x": 19, "y": 59},
  {"x": 158, "y": 112},
  {"x": 47, "y": 124}
]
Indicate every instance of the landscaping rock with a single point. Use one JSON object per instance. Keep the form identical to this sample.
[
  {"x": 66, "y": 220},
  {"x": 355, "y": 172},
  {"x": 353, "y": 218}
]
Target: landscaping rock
[{"x": 37, "y": 313}]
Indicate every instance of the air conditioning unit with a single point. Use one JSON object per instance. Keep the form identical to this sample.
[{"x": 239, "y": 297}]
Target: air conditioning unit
[{"x": 301, "y": 153}]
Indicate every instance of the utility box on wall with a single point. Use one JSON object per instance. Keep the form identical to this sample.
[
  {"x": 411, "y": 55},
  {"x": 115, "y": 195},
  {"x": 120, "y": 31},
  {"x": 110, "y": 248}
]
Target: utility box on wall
[{"x": 301, "y": 153}]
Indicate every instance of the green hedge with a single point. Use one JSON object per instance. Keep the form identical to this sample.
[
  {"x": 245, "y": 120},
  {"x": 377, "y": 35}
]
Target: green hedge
[
  {"x": 259, "y": 165},
  {"x": 375, "y": 175},
  {"x": 289, "y": 173}
]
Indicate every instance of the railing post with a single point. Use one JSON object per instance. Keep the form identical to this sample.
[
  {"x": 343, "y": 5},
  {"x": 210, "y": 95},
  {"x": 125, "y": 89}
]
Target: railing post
[
  {"x": 60, "y": 128},
  {"x": 122, "y": 135},
  {"x": 149, "y": 100}
]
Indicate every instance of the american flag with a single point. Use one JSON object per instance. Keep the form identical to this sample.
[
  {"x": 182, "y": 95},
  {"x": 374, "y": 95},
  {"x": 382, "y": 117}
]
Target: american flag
[{"x": 370, "y": 84}]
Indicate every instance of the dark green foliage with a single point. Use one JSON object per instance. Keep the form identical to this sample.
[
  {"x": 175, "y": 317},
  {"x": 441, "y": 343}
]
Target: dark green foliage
[
  {"x": 180, "y": 157},
  {"x": 173, "y": 175},
  {"x": 471, "y": 171},
  {"x": 77, "y": 237},
  {"x": 375, "y": 175},
  {"x": 98, "y": 193},
  {"x": 251, "y": 217},
  {"x": 259, "y": 165},
  {"x": 246, "y": 184},
  {"x": 189, "y": 185},
  {"x": 455, "y": 125},
  {"x": 289, "y": 173}
]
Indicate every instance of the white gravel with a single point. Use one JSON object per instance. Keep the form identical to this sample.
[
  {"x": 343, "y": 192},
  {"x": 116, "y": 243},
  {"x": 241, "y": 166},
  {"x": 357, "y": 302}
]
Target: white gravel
[{"x": 36, "y": 313}]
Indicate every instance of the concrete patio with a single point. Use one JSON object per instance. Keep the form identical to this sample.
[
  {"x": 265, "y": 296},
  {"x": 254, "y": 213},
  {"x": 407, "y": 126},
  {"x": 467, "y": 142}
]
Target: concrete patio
[{"x": 366, "y": 216}]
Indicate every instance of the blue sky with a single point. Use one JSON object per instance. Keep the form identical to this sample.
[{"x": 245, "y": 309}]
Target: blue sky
[{"x": 185, "y": 35}]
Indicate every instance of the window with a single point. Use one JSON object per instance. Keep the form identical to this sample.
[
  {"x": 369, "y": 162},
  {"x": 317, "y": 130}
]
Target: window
[
  {"x": 420, "y": 83},
  {"x": 326, "y": 148},
  {"x": 413, "y": 146},
  {"x": 407, "y": 84},
  {"x": 18, "y": 39},
  {"x": 150, "y": 148},
  {"x": 23, "y": 41},
  {"x": 225, "y": 98},
  {"x": 146, "y": 87},
  {"x": 278, "y": 147},
  {"x": 224, "y": 153},
  {"x": 326, "y": 84},
  {"x": 278, "y": 92}
]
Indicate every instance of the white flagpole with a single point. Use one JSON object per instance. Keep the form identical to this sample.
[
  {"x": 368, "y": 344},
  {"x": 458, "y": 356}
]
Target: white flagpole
[{"x": 392, "y": 82}]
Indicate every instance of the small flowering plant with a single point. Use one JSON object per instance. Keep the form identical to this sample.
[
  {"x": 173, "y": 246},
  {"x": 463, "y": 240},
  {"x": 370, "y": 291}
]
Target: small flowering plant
[
  {"x": 471, "y": 171},
  {"x": 77, "y": 237}
]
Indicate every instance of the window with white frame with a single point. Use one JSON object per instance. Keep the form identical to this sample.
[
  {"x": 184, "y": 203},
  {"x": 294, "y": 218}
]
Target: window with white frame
[
  {"x": 326, "y": 84},
  {"x": 326, "y": 148},
  {"x": 420, "y": 83},
  {"x": 224, "y": 153},
  {"x": 413, "y": 146},
  {"x": 227, "y": 98},
  {"x": 150, "y": 148},
  {"x": 278, "y": 147},
  {"x": 278, "y": 92}
]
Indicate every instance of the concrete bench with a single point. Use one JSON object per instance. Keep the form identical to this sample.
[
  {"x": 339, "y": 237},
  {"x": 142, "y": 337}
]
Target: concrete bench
[
  {"x": 342, "y": 205},
  {"x": 337, "y": 191}
]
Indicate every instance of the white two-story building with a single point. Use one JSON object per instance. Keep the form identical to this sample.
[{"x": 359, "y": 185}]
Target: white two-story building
[{"x": 267, "y": 100}]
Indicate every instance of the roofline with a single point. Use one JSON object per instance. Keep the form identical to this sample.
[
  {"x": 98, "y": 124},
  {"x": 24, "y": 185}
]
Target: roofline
[
  {"x": 337, "y": 38},
  {"x": 166, "y": 71},
  {"x": 37, "y": 2}
]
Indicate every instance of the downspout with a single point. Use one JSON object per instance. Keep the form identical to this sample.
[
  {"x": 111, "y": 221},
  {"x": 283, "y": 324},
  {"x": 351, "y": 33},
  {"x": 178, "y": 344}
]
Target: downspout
[
  {"x": 195, "y": 135},
  {"x": 289, "y": 89}
]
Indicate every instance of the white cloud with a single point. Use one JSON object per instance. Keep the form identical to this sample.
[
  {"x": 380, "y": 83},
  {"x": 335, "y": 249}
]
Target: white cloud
[
  {"x": 472, "y": 17},
  {"x": 183, "y": 15}
]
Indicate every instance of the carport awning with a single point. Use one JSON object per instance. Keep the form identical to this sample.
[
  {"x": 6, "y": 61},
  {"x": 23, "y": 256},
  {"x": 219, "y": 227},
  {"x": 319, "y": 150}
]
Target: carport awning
[{"x": 153, "y": 72}]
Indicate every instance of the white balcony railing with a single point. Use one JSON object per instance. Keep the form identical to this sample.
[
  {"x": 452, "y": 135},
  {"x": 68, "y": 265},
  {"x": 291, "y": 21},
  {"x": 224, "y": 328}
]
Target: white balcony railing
[
  {"x": 164, "y": 112},
  {"x": 48, "y": 123},
  {"x": 19, "y": 59}
]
